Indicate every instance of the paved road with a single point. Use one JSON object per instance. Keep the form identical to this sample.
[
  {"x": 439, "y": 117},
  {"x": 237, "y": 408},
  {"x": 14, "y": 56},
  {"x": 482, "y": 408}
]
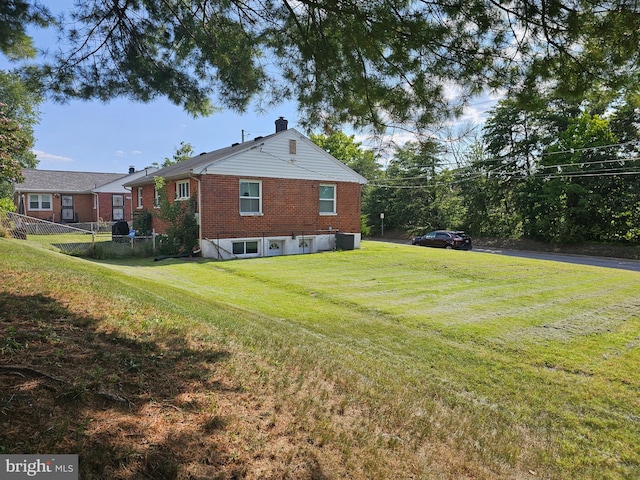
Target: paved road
[{"x": 620, "y": 263}]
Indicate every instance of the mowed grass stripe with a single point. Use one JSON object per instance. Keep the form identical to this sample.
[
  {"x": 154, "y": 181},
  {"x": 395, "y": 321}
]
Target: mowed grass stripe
[{"x": 491, "y": 328}]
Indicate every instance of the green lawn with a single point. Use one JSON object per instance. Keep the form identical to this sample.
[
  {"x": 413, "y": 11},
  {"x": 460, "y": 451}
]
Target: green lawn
[{"x": 504, "y": 367}]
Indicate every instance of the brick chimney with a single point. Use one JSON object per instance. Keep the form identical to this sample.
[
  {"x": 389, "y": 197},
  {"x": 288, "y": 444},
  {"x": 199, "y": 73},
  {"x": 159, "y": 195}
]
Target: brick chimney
[{"x": 281, "y": 124}]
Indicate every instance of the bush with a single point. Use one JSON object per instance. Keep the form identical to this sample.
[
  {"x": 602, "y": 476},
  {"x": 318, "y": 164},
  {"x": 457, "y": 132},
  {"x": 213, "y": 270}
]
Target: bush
[{"x": 182, "y": 226}]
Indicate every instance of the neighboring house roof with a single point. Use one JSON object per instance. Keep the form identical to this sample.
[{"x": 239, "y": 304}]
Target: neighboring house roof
[
  {"x": 117, "y": 186},
  {"x": 263, "y": 157},
  {"x": 54, "y": 181}
]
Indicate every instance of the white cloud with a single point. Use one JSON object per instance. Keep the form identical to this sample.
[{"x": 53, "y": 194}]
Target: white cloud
[
  {"x": 123, "y": 154},
  {"x": 49, "y": 157}
]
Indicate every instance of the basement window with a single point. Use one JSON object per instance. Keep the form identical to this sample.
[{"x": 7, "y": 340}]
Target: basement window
[{"x": 245, "y": 248}]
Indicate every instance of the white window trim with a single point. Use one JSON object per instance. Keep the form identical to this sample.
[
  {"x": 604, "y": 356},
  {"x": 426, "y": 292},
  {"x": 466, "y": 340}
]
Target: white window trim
[
  {"x": 180, "y": 183},
  {"x": 335, "y": 194},
  {"x": 259, "y": 197},
  {"x": 40, "y": 196},
  {"x": 140, "y": 197}
]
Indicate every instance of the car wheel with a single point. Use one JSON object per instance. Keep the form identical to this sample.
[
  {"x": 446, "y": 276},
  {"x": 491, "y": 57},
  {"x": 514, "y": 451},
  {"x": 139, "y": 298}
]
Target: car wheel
[{"x": 448, "y": 247}]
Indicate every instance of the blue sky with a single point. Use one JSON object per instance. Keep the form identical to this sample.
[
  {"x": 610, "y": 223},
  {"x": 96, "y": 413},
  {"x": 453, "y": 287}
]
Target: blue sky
[{"x": 96, "y": 137}]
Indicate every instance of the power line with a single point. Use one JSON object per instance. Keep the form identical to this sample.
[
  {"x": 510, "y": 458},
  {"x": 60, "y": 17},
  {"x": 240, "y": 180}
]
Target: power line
[{"x": 623, "y": 170}]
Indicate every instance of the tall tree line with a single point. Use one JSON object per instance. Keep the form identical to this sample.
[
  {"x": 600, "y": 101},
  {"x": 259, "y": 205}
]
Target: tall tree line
[{"x": 547, "y": 169}]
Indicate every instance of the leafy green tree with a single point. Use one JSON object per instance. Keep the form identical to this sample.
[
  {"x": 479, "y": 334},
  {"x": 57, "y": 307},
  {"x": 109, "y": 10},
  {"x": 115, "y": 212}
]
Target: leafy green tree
[
  {"x": 14, "y": 142},
  {"x": 490, "y": 210},
  {"x": 15, "y": 17},
  {"x": 182, "y": 153},
  {"x": 182, "y": 229},
  {"x": 557, "y": 170},
  {"x": 582, "y": 185},
  {"x": 20, "y": 106},
  {"x": 416, "y": 193},
  {"x": 375, "y": 63}
]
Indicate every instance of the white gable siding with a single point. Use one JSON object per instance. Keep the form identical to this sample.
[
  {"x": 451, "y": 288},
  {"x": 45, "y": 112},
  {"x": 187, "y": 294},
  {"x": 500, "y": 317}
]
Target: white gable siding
[{"x": 271, "y": 159}]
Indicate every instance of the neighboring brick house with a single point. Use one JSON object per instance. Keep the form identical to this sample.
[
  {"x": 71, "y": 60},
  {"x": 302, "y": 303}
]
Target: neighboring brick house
[
  {"x": 275, "y": 195},
  {"x": 75, "y": 197}
]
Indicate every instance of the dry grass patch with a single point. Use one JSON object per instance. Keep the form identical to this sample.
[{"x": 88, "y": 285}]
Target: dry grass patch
[{"x": 155, "y": 404}]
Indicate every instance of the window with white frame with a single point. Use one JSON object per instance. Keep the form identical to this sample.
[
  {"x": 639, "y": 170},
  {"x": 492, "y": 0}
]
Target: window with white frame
[
  {"x": 245, "y": 247},
  {"x": 139, "y": 197},
  {"x": 182, "y": 190},
  {"x": 327, "y": 199},
  {"x": 39, "y": 201},
  {"x": 250, "y": 197}
]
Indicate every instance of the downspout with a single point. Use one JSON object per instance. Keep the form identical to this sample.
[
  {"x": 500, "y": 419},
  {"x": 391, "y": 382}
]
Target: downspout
[
  {"x": 131, "y": 204},
  {"x": 197, "y": 179},
  {"x": 97, "y": 209}
]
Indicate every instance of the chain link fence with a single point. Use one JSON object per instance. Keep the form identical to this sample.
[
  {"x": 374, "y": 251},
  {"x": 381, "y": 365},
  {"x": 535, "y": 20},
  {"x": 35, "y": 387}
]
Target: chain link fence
[{"x": 87, "y": 239}]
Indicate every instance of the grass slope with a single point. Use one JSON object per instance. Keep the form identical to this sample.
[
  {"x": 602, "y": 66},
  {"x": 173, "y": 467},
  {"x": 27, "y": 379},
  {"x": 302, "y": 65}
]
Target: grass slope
[{"x": 385, "y": 362}]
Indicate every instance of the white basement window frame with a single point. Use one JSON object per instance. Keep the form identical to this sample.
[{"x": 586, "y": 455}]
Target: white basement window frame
[{"x": 245, "y": 247}]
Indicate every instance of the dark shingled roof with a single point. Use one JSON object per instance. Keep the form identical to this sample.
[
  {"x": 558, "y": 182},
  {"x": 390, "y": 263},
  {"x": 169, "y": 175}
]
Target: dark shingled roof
[
  {"x": 63, "y": 182},
  {"x": 195, "y": 164}
]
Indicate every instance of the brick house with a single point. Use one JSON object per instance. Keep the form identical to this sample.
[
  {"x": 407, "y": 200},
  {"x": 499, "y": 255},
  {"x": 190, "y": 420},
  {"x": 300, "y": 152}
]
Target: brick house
[
  {"x": 75, "y": 197},
  {"x": 275, "y": 195}
]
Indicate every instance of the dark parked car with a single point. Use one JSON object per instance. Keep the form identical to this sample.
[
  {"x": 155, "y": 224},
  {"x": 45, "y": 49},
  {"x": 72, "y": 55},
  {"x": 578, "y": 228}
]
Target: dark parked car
[{"x": 444, "y": 239}]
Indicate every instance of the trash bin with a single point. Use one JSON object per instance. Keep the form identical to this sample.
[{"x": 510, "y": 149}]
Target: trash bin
[{"x": 119, "y": 230}]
